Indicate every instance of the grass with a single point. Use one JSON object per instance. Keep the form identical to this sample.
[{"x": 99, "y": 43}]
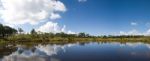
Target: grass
[{"x": 33, "y": 39}]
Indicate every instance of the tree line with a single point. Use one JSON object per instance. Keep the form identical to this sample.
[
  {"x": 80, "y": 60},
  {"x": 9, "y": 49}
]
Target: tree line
[{"x": 6, "y": 31}]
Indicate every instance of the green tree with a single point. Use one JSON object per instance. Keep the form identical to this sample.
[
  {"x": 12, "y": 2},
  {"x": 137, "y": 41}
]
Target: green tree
[
  {"x": 33, "y": 31},
  {"x": 1, "y": 30},
  {"x": 20, "y": 30},
  {"x": 61, "y": 34},
  {"x": 6, "y": 31},
  {"x": 87, "y": 35},
  {"x": 82, "y": 34},
  {"x": 51, "y": 35}
]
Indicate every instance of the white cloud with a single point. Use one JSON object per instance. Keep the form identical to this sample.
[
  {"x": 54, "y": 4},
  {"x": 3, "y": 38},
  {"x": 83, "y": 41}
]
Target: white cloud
[
  {"x": 49, "y": 27},
  {"x": 135, "y": 32},
  {"x": 67, "y": 31},
  {"x": 13, "y": 26},
  {"x": 134, "y": 23},
  {"x": 19, "y": 12},
  {"x": 132, "y": 32},
  {"x": 147, "y": 32},
  {"x": 70, "y": 32},
  {"x": 64, "y": 28},
  {"x": 30, "y": 11},
  {"x": 54, "y": 16},
  {"x": 82, "y": 0},
  {"x": 53, "y": 27}
]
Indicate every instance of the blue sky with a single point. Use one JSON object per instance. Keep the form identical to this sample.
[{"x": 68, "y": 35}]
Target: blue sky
[
  {"x": 100, "y": 17},
  {"x": 107, "y": 16}
]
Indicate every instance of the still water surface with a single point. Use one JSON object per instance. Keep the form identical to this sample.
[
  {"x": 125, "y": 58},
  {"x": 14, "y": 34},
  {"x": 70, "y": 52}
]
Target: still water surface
[{"x": 77, "y": 52}]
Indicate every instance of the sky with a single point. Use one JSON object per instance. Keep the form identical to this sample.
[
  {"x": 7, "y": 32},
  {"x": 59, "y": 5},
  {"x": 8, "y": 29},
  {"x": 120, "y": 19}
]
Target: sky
[{"x": 96, "y": 17}]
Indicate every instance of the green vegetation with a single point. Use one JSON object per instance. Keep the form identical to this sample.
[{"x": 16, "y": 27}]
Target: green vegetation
[
  {"x": 11, "y": 35},
  {"x": 6, "y": 31}
]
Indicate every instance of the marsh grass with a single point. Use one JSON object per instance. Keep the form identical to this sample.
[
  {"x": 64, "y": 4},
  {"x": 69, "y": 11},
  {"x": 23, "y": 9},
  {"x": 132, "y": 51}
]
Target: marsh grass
[{"x": 30, "y": 39}]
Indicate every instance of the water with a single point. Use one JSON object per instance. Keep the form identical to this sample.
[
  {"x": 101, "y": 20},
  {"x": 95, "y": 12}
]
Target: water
[{"x": 77, "y": 52}]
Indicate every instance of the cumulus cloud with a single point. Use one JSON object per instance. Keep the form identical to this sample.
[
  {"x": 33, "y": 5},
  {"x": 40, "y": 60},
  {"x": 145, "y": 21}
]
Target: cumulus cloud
[
  {"x": 134, "y": 23},
  {"x": 54, "y": 28},
  {"x": 30, "y": 11},
  {"x": 19, "y": 12},
  {"x": 131, "y": 32},
  {"x": 54, "y": 16},
  {"x": 135, "y": 32},
  {"x": 49, "y": 27},
  {"x": 147, "y": 32},
  {"x": 82, "y": 0},
  {"x": 70, "y": 32}
]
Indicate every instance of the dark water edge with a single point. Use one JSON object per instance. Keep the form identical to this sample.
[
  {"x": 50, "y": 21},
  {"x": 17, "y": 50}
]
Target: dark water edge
[{"x": 90, "y": 51}]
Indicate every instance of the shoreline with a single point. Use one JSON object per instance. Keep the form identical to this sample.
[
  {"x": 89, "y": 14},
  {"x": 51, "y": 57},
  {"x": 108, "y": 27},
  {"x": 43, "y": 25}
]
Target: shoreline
[{"x": 72, "y": 40}]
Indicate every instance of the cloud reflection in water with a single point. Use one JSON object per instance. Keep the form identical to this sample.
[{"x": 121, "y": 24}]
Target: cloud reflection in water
[
  {"x": 82, "y": 52},
  {"x": 38, "y": 53}
]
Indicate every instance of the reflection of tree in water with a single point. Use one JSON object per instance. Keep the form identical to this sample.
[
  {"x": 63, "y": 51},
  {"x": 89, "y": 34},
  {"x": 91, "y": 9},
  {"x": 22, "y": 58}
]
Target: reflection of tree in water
[
  {"x": 82, "y": 44},
  {"x": 6, "y": 50},
  {"x": 37, "y": 53}
]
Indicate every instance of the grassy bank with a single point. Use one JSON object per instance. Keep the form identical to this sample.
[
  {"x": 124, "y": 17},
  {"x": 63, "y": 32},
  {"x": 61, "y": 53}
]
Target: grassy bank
[
  {"x": 13, "y": 36},
  {"x": 28, "y": 38}
]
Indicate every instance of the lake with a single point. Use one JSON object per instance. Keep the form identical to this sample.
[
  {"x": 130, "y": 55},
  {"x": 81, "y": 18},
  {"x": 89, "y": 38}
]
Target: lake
[{"x": 77, "y": 52}]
